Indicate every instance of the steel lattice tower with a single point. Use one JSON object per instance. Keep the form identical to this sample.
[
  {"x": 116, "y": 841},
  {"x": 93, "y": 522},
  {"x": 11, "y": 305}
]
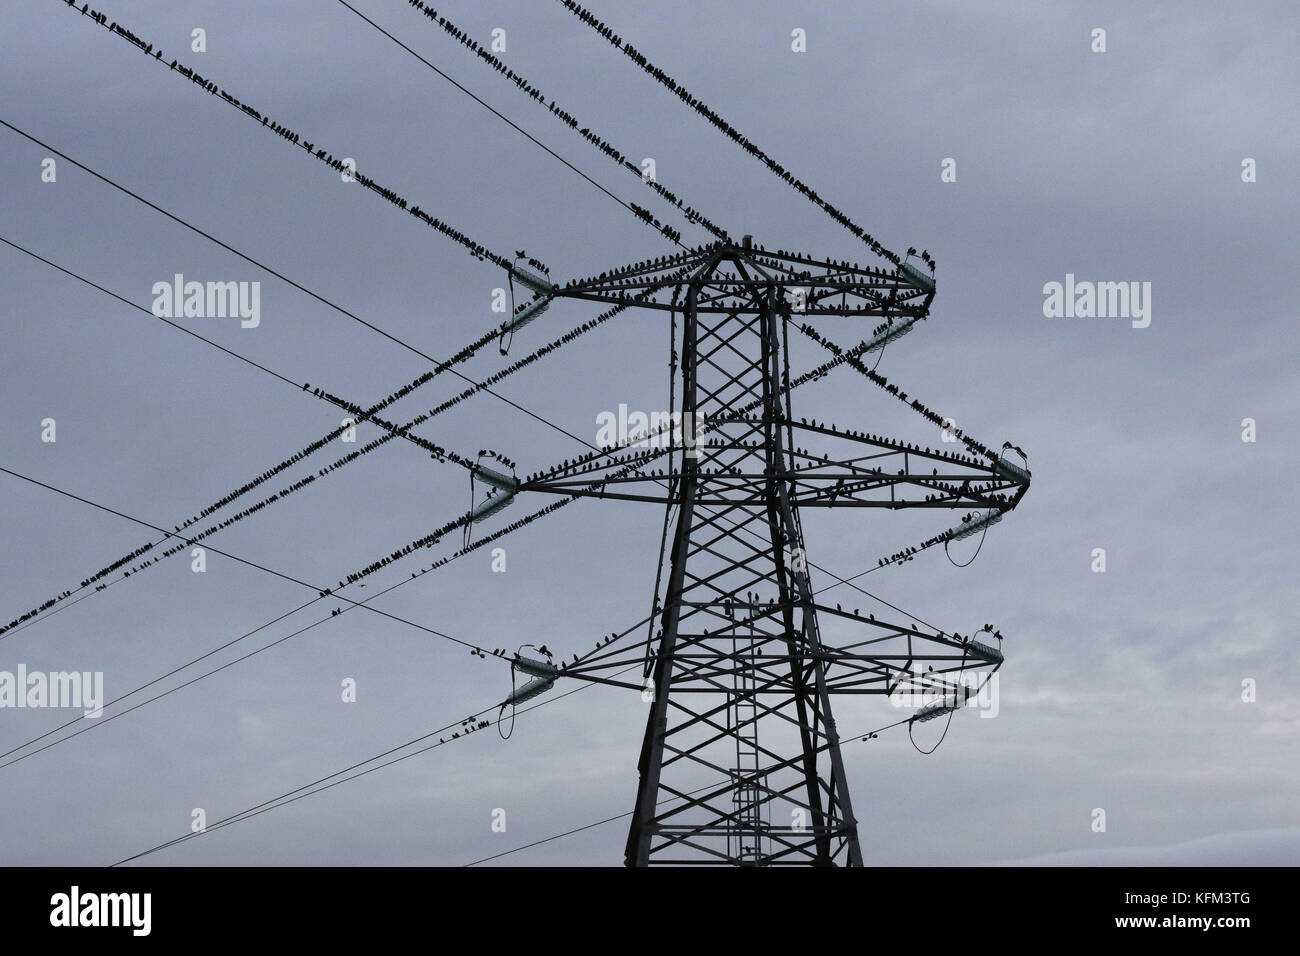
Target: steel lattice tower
[
  {"x": 739, "y": 626},
  {"x": 740, "y": 761}
]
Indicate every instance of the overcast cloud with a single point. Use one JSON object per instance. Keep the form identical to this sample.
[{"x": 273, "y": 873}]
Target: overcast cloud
[{"x": 1121, "y": 691}]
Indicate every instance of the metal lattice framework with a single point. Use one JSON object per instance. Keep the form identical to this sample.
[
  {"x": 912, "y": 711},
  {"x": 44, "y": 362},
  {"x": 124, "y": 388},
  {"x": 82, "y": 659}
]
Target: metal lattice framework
[{"x": 740, "y": 763}]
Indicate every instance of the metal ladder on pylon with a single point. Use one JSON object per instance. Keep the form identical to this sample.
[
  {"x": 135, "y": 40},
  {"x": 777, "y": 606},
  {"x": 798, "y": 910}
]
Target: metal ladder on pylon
[{"x": 745, "y": 842}]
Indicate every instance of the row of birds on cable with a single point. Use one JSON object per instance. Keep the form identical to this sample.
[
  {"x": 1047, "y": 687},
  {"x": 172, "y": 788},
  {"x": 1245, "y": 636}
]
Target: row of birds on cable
[
  {"x": 535, "y": 263},
  {"x": 297, "y": 486},
  {"x": 572, "y": 122},
  {"x": 885, "y": 442},
  {"x": 609, "y": 452},
  {"x": 645, "y": 215},
  {"x": 569, "y": 465},
  {"x": 627, "y": 279},
  {"x": 603, "y": 642},
  {"x": 646, "y": 265},
  {"x": 467, "y": 726},
  {"x": 477, "y": 249},
  {"x": 609, "y": 275},
  {"x": 909, "y": 553},
  {"x": 569, "y": 120},
  {"x": 726, "y": 128},
  {"x": 189, "y": 539},
  {"x": 916, "y": 405},
  {"x": 572, "y": 464},
  {"x": 28, "y": 615},
  {"x": 496, "y": 456}
]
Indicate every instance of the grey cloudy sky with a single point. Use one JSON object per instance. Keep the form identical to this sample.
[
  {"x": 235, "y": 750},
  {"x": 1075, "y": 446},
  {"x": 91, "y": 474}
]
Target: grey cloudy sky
[{"x": 1121, "y": 691}]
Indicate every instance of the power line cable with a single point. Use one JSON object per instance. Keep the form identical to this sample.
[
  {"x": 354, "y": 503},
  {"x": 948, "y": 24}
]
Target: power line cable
[
  {"x": 698, "y": 105},
  {"x": 392, "y": 431},
  {"x": 670, "y": 234},
  {"x": 477, "y": 249}
]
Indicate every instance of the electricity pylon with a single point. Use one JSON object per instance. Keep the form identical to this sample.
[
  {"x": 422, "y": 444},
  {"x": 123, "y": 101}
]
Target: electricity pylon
[{"x": 740, "y": 761}]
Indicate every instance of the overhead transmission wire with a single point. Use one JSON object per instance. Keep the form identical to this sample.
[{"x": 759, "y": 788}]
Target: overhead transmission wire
[
  {"x": 293, "y": 138},
  {"x": 320, "y": 393},
  {"x": 354, "y": 772},
  {"x": 477, "y": 249},
  {"x": 692, "y": 215},
  {"x": 851, "y": 357},
  {"x": 234, "y": 557},
  {"x": 364, "y": 413},
  {"x": 292, "y": 796},
  {"x": 440, "y": 365},
  {"x": 427, "y": 541},
  {"x": 534, "y": 92},
  {"x": 392, "y": 430},
  {"x": 479, "y": 651},
  {"x": 367, "y": 414},
  {"x": 211, "y": 87},
  {"x": 126, "y": 34},
  {"x": 638, "y": 211},
  {"x": 726, "y": 128}
]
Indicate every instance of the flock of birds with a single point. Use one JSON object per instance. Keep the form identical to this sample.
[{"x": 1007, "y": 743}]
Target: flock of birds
[{"x": 482, "y": 253}]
